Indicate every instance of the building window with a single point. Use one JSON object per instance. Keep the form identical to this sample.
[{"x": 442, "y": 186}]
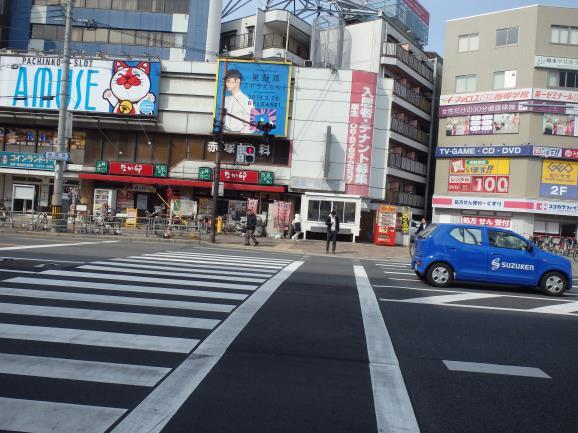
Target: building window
[
  {"x": 564, "y": 35},
  {"x": 466, "y": 83},
  {"x": 507, "y": 36},
  {"x": 563, "y": 79},
  {"x": 504, "y": 80},
  {"x": 469, "y": 42}
]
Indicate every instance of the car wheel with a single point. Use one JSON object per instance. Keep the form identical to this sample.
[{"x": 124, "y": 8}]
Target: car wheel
[
  {"x": 440, "y": 275},
  {"x": 420, "y": 276},
  {"x": 553, "y": 284}
]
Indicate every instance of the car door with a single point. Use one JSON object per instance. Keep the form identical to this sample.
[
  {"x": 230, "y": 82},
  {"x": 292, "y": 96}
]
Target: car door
[
  {"x": 467, "y": 252},
  {"x": 510, "y": 258}
]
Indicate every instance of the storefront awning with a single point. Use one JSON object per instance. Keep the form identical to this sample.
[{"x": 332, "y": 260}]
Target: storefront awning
[{"x": 179, "y": 182}]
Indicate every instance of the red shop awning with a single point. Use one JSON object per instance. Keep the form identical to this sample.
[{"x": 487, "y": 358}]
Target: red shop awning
[{"x": 179, "y": 182}]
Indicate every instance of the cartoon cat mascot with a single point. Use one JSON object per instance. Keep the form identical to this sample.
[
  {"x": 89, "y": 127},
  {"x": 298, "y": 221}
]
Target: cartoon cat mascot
[{"x": 129, "y": 91}]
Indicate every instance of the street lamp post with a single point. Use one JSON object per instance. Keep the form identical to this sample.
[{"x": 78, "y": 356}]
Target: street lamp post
[{"x": 61, "y": 143}]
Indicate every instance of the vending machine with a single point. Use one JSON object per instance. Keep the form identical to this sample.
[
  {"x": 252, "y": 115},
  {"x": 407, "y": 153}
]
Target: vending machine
[
  {"x": 385, "y": 220},
  {"x": 104, "y": 197}
]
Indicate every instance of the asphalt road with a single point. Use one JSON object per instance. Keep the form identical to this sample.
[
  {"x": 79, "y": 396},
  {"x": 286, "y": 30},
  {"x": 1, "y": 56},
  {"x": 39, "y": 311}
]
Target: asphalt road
[{"x": 128, "y": 337}]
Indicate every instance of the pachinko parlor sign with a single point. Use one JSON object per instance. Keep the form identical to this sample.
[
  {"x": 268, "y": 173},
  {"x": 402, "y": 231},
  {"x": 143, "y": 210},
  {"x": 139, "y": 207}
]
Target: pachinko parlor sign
[{"x": 120, "y": 87}]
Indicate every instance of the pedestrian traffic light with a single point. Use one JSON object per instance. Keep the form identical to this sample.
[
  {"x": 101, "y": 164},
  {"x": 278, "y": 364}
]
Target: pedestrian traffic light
[{"x": 249, "y": 154}]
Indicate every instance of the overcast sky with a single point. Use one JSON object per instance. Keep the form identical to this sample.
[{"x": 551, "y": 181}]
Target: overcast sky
[{"x": 442, "y": 10}]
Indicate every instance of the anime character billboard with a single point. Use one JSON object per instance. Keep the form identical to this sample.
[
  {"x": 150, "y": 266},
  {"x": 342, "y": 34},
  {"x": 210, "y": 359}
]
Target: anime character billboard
[
  {"x": 254, "y": 92},
  {"x": 120, "y": 87}
]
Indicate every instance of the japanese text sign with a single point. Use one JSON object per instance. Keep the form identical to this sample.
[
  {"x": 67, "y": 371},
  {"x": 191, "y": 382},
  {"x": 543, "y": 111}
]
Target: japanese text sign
[
  {"x": 486, "y": 221},
  {"x": 360, "y": 132},
  {"x": 130, "y": 169},
  {"x": 239, "y": 176},
  {"x": 255, "y": 92},
  {"x": 29, "y": 161},
  {"x": 559, "y": 179}
]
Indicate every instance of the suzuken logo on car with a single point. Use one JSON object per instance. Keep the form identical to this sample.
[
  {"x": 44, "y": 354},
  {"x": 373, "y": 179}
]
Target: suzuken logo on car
[{"x": 497, "y": 264}]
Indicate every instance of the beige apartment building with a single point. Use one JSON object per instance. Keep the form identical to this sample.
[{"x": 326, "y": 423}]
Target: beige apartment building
[{"x": 507, "y": 151}]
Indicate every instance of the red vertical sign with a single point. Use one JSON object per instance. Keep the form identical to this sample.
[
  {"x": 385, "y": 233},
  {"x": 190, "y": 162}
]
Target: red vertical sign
[{"x": 360, "y": 133}]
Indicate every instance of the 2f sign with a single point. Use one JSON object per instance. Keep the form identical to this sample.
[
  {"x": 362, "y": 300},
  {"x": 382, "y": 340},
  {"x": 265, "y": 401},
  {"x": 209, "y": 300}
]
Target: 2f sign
[{"x": 558, "y": 190}]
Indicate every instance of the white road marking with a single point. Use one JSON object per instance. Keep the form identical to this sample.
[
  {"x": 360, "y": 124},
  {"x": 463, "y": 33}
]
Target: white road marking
[
  {"x": 404, "y": 279},
  {"x": 108, "y": 316},
  {"x": 97, "y": 338},
  {"x": 186, "y": 264},
  {"x": 213, "y": 260},
  {"x": 218, "y": 256},
  {"x": 167, "y": 267},
  {"x": 172, "y": 274},
  {"x": 510, "y": 370},
  {"x": 49, "y": 417},
  {"x": 570, "y": 307},
  {"x": 31, "y": 247},
  {"x": 179, "y": 282},
  {"x": 127, "y": 288},
  {"x": 398, "y": 273},
  {"x": 153, "y": 414},
  {"x": 16, "y": 271},
  {"x": 393, "y": 409},
  {"x": 120, "y": 300},
  {"x": 89, "y": 371},
  {"x": 39, "y": 260},
  {"x": 444, "y": 299},
  {"x": 394, "y": 265}
]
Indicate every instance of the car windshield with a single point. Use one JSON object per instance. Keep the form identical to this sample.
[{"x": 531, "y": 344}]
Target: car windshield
[{"x": 427, "y": 231}]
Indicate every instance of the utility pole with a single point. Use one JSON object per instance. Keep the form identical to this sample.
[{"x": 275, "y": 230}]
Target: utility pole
[
  {"x": 217, "y": 172},
  {"x": 63, "y": 95}
]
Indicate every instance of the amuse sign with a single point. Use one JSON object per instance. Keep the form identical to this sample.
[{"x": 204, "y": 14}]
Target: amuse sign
[{"x": 120, "y": 87}]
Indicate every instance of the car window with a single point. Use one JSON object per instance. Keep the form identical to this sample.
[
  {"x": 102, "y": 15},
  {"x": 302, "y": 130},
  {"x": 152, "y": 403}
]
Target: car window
[
  {"x": 506, "y": 240},
  {"x": 467, "y": 235},
  {"x": 427, "y": 232}
]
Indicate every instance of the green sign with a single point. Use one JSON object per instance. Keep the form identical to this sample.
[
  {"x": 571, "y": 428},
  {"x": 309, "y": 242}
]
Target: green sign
[
  {"x": 205, "y": 173},
  {"x": 161, "y": 170},
  {"x": 266, "y": 177},
  {"x": 30, "y": 161},
  {"x": 102, "y": 167}
]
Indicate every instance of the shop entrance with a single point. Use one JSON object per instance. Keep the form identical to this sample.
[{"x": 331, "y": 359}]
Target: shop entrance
[{"x": 23, "y": 198}]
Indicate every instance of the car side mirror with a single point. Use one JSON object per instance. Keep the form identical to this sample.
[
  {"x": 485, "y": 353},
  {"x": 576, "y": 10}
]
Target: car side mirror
[{"x": 530, "y": 248}]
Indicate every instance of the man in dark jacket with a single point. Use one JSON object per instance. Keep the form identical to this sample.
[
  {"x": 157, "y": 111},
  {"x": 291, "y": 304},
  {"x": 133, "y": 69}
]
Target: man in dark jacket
[
  {"x": 422, "y": 226},
  {"x": 251, "y": 226},
  {"x": 332, "y": 223}
]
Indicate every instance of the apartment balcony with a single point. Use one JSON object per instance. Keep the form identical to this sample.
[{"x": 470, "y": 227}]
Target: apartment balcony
[
  {"x": 279, "y": 41},
  {"x": 402, "y": 163},
  {"x": 237, "y": 42},
  {"x": 406, "y": 130},
  {"x": 401, "y": 198},
  {"x": 412, "y": 98},
  {"x": 414, "y": 63}
]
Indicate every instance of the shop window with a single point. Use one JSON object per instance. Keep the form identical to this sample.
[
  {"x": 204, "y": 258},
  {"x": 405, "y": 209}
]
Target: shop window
[
  {"x": 93, "y": 146},
  {"x": 161, "y": 149},
  {"x": 46, "y": 140},
  {"x": 178, "y": 149},
  {"x": 144, "y": 149},
  {"x": 77, "y": 146},
  {"x": 21, "y": 140},
  {"x": 110, "y": 146},
  {"x": 1, "y": 143},
  {"x": 349, "y": 213}
]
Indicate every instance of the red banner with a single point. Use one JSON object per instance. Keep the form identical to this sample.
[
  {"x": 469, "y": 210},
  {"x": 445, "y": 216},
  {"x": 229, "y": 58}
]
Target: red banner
[
  {"x": 239, "y": 176},
  {"x": 131, "y": 169},
  {"x": 360, "y": 133}
]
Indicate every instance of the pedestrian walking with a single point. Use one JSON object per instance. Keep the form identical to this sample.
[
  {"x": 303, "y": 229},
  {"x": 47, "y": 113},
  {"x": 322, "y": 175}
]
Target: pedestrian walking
[
  {"x": 296, "y": 227},
  {"x": 332, "y": 223},
  {"x": 251, "y": 226},
  {"x": 422, "y": 226}
]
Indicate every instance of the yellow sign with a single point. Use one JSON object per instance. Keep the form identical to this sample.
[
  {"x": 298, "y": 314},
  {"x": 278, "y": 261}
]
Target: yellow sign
[
  {"x": 560, "y": 172},
  {"x": 405, "y": 217},
  {"x": 481, "y": 166},
  {"x": 131, "y": 217}
]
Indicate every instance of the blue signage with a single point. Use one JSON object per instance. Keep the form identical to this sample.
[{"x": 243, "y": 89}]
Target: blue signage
[
  {"x": 453, "y": 152},
  {"x": 255, "y": 92},
  {"x": 29, "y": 161}
]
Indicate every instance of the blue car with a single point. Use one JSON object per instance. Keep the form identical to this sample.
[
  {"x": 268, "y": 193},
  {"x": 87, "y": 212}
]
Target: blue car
[{"x": 448, "y": 252}]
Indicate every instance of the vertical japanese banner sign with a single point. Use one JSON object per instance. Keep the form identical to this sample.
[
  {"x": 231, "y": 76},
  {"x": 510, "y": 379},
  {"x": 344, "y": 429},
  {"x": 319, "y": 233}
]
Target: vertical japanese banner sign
[
  {"x": 360, "y": 133},
  {"x": 252, "y": 204}
]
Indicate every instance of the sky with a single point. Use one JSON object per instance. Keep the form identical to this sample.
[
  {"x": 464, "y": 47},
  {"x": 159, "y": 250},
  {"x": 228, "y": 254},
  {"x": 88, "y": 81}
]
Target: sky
[{"x": 442, "y": 10}]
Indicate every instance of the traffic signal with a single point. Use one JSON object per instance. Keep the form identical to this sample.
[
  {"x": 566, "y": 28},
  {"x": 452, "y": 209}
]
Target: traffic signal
[
  {"x": 265, "y": 127},
  {"x": 245, "y": 154}
]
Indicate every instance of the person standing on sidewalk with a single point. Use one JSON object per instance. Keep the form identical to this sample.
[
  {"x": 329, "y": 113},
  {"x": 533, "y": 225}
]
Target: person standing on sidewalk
[
  {"x": 296, "y": 227},
  {"x": 251, "y": 226},
  {"x": 332, "y": 223}
]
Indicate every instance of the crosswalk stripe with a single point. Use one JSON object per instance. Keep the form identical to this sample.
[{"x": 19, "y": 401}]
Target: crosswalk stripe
[
  {"x": 213, "y": 260},
  {"x": 178, "y": 282},
  {"x": 443, "y": 299},
  {"x": 49, "y": 417},
  {"x": 88, "y": 371},
  {"x": 172, "y": 274},
  {"x": 97, "y": 338},
  {"x": 393, "y": 266},
  {"x": 108, "y": 316},
  {"x": 256, "y": 259},
  {"x": 139, "y": 265},
  {"x": 120, "y": 300},
  {"x": 399, "y": 273},
  {"x": 188, "y": 264},
  {"x": 126, "y": 288},
  {"x": 570, "y": 307}
]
